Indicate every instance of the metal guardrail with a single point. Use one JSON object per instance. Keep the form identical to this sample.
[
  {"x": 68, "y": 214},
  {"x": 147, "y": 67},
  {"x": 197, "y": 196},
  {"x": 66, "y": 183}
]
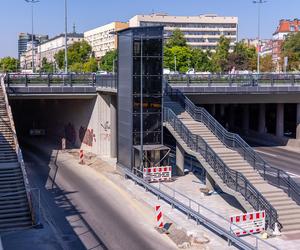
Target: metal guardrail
[
  {"x": 196, "y": 215},
  {"x": 11, "y": 126},
  {"x": 231, "y": 178},
  {"x": 110, "y": 81},
  {"x": 61, "y": 80},
  {"x": 234, "y": 80},
  {"x": 273, "y": 175}
]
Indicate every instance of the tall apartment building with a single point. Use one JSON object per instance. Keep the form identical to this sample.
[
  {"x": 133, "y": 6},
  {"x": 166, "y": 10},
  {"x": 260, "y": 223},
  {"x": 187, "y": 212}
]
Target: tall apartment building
[
  {"x": 284, "y": 28},
  {"x": 25, "y": 38},
  {"x": 203, "y": 31},
  {"x": 101, "y": 38}
]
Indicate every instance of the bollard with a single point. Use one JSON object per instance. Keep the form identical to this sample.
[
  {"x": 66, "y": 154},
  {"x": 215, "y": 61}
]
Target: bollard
[
  {"x": 63, "y": 143},
  {"x": 81, "y": 156},
  {"x": 159, "y": 217}
]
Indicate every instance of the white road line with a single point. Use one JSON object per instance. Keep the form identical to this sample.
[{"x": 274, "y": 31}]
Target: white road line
[{"x": 265, "y": 153}]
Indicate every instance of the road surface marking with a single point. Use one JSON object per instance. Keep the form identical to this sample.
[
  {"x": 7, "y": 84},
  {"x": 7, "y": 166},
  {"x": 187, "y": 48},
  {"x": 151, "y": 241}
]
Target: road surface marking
[{"x": 265, "y": 153}]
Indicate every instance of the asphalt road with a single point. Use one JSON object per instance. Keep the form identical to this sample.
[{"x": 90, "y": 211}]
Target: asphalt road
[
  {"x": 282, "y": 158},
  {"x": 86, "y": 211}
]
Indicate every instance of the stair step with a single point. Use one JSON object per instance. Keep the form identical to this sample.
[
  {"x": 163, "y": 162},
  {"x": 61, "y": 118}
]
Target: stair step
[
  {"x": 15, "y": 226},
  {"x": 289, "y": 212},
  {"x": 293, "y": 227},
  {"x": 21, "y": 217}
]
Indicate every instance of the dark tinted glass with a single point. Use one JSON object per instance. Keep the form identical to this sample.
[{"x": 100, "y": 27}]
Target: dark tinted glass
[
  {"x": 148, "y": 138},
  {"x": 151, "y": 47},
  {"x": 151, "y": 66},
  {"x": 152, "y": 122},
  {"x": 150, "y": 104},
  {"x": 151, "y": 84}
]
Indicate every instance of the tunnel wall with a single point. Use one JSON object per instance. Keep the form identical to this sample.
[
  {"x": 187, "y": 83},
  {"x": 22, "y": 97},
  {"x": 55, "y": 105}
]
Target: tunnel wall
[{"x": 85, "y": 123}]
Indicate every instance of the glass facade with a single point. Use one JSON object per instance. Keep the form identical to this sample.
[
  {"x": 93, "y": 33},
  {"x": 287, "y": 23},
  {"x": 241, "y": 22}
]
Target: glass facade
[{"x": 147, "y": 72}]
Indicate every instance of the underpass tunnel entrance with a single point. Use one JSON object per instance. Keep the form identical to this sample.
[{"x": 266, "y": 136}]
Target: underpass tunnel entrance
[{"x": 84, "y": 122}]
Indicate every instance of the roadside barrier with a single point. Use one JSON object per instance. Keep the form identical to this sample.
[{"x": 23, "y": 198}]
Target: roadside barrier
[
  {"x": 81, "y": 155},
  {"x": 159, "y": 216}
]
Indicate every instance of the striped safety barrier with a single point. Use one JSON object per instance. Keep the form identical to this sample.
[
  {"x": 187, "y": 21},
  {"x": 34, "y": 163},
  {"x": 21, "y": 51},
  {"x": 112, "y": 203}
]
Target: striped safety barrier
[
  {"x": 253, "y": 222},
  {"x": 159, "y": 216},
  {"x": 81, "y": 156},
  {"x": 154, "y": 174}
]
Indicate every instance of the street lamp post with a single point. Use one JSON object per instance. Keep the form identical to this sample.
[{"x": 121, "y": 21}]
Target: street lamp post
[
  {"x": 32, "y": 50},
  {"x": 175, "y": 63},
  {"x": 66, "y": 38},
  {"x": 259, "y": 3}
]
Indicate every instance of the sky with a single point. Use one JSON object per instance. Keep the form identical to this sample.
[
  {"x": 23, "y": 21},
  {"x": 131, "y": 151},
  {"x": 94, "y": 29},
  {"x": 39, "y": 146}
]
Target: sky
[{"x": 15, "y": 15}]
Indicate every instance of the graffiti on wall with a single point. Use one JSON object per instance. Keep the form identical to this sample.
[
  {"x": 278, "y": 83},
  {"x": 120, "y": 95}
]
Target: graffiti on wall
[
  {"x": 70, "y": 133},
  {"x": 106, "y": 135},
  {"x": 87, "y": 136}
]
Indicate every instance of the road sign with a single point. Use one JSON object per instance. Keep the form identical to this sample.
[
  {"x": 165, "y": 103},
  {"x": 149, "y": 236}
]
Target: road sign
[
  {"x": 253, "y": 222},
  {"x": 154, "y": 174}
]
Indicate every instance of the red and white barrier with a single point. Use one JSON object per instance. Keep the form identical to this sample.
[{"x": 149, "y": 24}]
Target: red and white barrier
[
  {"x": 154, "y": 174},
  {"x": 159, "y": 216},
  {"x": 81, "y": 156},
  {"x": 253, "y": 222}
]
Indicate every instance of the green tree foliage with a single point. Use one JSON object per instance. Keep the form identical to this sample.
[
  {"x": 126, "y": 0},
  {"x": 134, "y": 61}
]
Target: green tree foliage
[
  {"x": 243, "y": 57},
  {"x": 91, "y": 65},
  {"x": 107, "y": 61},
  {"x": 78, "y": 53},
  {"x": 184, "y": 58},
  {"x": 266, "y": 64},
  {"x": 46, "y": 67},
  {"x": 8, "y": 64},
  {"x": 176, "y": 39},
  {"x": 221, "y": 56},
  {"x": 291, "y": 49},
  {"x": 201, "y": 60}
]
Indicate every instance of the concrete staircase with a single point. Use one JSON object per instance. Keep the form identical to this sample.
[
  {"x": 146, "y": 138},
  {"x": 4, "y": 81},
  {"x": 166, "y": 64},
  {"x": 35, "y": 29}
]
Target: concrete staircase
[
  {"x": 288, "y": 211},
  {"x": 14, "y": 207}
]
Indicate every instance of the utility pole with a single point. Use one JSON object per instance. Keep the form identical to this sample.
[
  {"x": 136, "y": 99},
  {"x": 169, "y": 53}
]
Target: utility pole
[
  {"x": 175, "y": 63},
  {"x": 32, "y": 49},
  {"x": 259, "y": 3},
  {"x": 66, "y": 38}
]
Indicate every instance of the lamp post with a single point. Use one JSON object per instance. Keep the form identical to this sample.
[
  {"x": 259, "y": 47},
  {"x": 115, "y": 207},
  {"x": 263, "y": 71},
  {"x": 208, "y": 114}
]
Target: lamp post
[
  {"x": 32, "y": 50},
  {"x": 259, "y": 3},
  {"x": 175, "y": 63},
  {"x": 66, "y": 38}
]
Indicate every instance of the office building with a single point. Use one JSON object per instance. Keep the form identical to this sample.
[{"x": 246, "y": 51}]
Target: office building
[
  {"x": 203, "y": 31},
  {"x": 25, "y": 38},
  {"x": 102, "y": 40}
]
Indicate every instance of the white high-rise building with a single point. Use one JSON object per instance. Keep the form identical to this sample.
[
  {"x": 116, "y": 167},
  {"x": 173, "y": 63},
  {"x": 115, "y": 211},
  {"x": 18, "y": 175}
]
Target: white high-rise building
[
  {"x": 203, "y": 31},
  {"x": 102, "y": 40}
]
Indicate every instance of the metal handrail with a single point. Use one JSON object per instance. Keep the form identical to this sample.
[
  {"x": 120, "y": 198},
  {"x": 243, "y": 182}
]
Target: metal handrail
[
  {"x": 11, "y": 127},
  {"x": 215, "y": 79},
  {"x": 196, "y": 215},
  {"x": 233, "y": 179},
  {"x": 272, "y": 174}
]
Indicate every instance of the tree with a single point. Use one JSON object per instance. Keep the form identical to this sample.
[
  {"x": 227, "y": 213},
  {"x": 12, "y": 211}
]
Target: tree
[
  {"x": 266, "y": 64},
  {"x": 201, "y": 60},
  {"x": 243, "y": 57},
  {"x": 291, "y": 49},
  {"x": 46, "y": 66},
  {"x": 91, "y": 65},
  {"x": 176, "y": 39},
  {"x": 220, "y": 57},
  {"x": 107, "y": 61},
  {"x": 184, "y": 58},
  {"x": 9, "y": 64},
  {"x": 78, "y": 52}
]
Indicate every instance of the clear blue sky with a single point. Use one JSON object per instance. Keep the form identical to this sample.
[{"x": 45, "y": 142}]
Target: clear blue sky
[{"x": 15, "y": 15}]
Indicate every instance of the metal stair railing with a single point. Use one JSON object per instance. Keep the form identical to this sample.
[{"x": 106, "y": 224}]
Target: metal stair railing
[
  {"x": 273, "y": 175},
  {"x": 233, "y": 179},
  {"x": 18, "y": 150}
]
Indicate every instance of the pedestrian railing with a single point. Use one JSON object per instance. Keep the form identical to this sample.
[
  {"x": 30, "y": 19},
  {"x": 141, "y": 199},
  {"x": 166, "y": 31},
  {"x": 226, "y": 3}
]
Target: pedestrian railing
[
  {"x": 61, "y": 80},
  {"x": 231, "y": 178},
  {"x": 199, "y": 213},
  {"x": 234, "y": 80},
  {"x": 273, "y": 175}
]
